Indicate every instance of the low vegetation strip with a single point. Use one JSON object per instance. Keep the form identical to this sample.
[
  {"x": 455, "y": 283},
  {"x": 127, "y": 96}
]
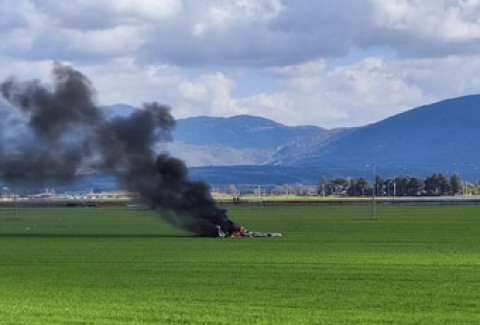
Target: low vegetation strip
[{"x": 333, "y": 265}]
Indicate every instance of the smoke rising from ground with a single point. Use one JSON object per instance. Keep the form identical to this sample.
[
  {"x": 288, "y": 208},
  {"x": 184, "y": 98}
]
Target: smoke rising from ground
[{"x": 54, "y": 132}]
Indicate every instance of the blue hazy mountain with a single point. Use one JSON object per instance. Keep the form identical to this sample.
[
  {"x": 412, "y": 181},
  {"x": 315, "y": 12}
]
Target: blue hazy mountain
[
  {"x": 436, "y": 138},
  {"x": 242, "y": 131},
  {"x": 237, "y": 140},
  {"x": 441, "y": 137}
]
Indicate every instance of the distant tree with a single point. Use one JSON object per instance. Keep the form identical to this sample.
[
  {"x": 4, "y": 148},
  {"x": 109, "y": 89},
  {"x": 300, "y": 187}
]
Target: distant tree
[
  {"x": 322, "y": 186},
  {"x": 401, "y": 184},
  {"x": 339, "y": 185},
  {"x": 415, "y": 186},
  {"x": 445, "y": 186},
  {"x": 329, "y": 189},
  {"x": 431, "y": 185},
  {"x": 437, "y": 184},
  {"x": 379, "y": 186},
  {"x": 390, "y": 187},
  {"x": 358, "y": 187},
  {"x": 456, "y": 184}
]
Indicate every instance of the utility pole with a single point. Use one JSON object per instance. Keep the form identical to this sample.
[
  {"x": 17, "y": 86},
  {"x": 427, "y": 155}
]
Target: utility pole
[
  {"x": 15, "y": 207},
  {"x": 374, "y": 208},
  {"x": 15, "y": 203}
]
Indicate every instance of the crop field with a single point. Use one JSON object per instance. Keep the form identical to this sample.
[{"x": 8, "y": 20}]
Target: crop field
[{"x": 333, "y": 265}]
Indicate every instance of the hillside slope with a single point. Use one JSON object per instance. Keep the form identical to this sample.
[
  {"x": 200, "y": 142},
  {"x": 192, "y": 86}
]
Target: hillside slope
[
  {"x": 242, "y": 131},
  {"x": 441, "y": 137},
  {"x": 237, "y": 140}
]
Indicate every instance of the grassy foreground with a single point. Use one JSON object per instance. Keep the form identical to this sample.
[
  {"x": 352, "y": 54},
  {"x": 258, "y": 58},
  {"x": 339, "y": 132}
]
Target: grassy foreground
[{"x": 333, "y": 265}]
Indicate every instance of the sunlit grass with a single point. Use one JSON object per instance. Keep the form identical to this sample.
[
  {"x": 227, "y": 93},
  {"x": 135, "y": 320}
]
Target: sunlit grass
[{"x": 333, "y": 265}]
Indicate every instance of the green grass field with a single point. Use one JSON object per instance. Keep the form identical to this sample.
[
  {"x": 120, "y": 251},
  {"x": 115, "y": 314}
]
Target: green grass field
[{"x": 333, "y": 265}]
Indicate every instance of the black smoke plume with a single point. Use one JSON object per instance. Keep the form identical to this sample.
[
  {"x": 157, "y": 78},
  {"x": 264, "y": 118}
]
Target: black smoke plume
[{"x": 55, "y": 132}]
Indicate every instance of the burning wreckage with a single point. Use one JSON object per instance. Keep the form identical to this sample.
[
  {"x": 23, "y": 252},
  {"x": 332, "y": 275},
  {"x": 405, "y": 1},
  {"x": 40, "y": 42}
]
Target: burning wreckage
[
  {"x": 243, "y": 232},
  {"x": 48, "y": 118},
  {"x": 188, "y": 204}
]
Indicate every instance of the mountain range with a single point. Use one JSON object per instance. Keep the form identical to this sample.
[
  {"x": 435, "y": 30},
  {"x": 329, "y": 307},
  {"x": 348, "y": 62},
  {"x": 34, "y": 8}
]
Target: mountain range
[
  {"x": 436, "y": 138},
  {"x": 251, "y": 150}
]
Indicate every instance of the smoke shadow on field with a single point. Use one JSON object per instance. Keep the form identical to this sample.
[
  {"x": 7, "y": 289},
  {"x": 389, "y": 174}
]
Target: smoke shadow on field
[{"x": 52, "y": 235}]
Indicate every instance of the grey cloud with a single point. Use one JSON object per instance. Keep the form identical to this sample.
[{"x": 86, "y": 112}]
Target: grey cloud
[
  {"x": 9, "y": 22},
  {"x": 68, "y": 14},
  {"x": 302, "y": 31}
]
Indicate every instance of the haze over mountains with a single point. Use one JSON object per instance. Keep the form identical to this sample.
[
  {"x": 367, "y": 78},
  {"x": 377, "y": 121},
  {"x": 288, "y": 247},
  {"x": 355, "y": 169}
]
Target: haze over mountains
[
  {"x": 437, "y": 138},
  {"x": 440, "y": 137}
]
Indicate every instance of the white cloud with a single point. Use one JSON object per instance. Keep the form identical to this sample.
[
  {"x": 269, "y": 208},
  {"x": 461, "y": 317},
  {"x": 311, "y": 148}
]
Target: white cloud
[
  {"x": 25, "y": 70},
  {"x": 330, "y": 63},
  {"x": 444, "y": 77},
  {"x": 157, "y": 10},
  {"x": 209, "y": 94},
  {"x": 89, "y": 14},
  {"x": 115, "y": 41},
  {"x": 220, "y": 101},
  {"x": 123, "y": 81},
  {"x": 311, "y": 93},
  {"x": 276, "y": 105},
  {"x": 429, "y": 28},
  {"x": 20, "y": 25},
  {"x": 225, "y": 12},
  {"x": 238, "y": 32},
  {"x": 376, "y": 89},
  {"x": 194, "y": 91},
  {"x": 447, "y": 20}
]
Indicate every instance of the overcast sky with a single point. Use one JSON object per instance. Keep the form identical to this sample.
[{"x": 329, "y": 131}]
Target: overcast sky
[{"x": 330, "y": 63}]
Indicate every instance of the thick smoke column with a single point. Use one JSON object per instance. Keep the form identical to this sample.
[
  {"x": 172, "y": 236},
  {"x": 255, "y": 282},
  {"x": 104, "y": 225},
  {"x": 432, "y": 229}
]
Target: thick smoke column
[
  {"x": 47, "y": 141},
  {"x": 60, "y": 131}
]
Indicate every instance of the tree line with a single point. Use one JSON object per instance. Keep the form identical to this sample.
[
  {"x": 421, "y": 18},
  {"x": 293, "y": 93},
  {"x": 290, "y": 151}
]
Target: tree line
[
  {"x": 433, "y": 185},
  {"x": 436, "y": 184}
]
